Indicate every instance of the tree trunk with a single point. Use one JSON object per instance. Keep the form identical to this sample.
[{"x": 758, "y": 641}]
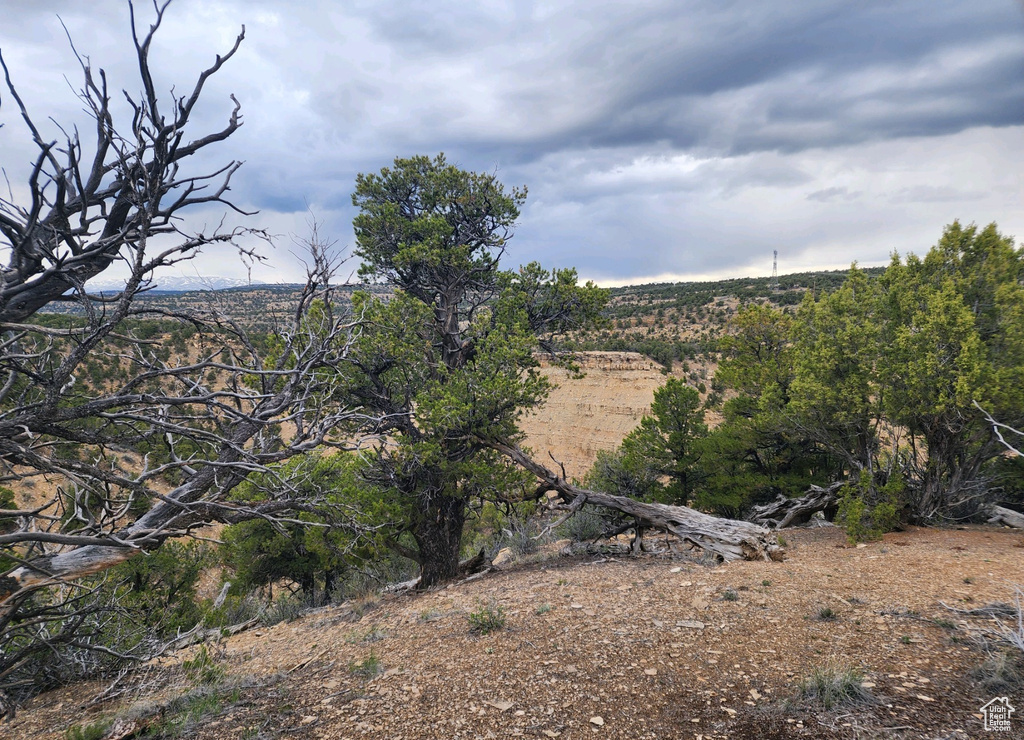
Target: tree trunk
[
  {"x": 790, "y": 512},
  {"x": 438, "y": 535},
  {"x": 727, "y": 539}
]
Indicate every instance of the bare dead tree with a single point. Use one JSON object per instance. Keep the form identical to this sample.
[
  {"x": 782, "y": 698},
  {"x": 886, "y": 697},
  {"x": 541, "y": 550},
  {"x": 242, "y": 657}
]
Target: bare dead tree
[
  {"x": 1000, "y": 514},
  {"x": 153, "y": 451}
]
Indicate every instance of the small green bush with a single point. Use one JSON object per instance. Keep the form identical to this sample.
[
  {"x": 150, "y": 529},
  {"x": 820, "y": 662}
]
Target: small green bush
[
  {"x": 866, "y": 512},
  {"x": 235, "y": 610},
  {"x": 368, "y": 667},
  {"x": 583, "y": 526},
  {"x": 488, "y": 618},
  {"x": 827, "y": 614},
  {"x": 285, "y": 609}
]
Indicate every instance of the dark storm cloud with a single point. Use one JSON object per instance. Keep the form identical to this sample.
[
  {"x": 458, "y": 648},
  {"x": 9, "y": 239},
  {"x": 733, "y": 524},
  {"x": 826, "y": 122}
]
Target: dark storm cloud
[
  {"x": 725, "y": 77},
  {"x": 656, "y": 137}
]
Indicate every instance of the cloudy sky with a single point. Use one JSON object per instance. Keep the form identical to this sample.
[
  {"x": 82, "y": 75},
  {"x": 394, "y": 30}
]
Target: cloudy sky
[{"x": 659, "y": 139}]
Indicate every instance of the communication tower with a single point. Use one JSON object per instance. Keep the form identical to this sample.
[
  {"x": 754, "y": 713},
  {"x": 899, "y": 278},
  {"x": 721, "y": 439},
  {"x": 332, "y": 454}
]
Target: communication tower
[{"x": 774, "y": 285}]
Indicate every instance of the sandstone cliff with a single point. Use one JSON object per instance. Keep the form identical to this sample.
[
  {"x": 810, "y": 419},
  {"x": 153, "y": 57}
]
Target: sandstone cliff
[{"x": 594, "y": 412}]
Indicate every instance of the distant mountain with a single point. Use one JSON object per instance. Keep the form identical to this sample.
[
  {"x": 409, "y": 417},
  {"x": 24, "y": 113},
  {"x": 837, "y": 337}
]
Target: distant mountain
[{"x": 177, "y": 284}]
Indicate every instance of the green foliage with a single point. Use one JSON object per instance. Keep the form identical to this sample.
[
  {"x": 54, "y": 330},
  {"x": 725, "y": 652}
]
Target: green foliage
[
  {"x": 368, "y": 667},
  {"x": 630, "y": 474},
  {"x": 953, "y": 334},
  {"x": 878, "y": 376},
  {"x": 449, "y": 359},
  {"x": 7, "y": 525},
  {"x": 425, "y": 219},
  {"x": 669, "y": 438},
  {"x": 92, "y": 731},
  {"x": 835, "y": 391},
  {"x": 286, "y": 608},
  {"x": 827, "y": 614},
  {"x": 585, "y": 525},
  {"x": 202, "y": 667},
  {"x": 159, "y": 587},
  {"x": 488, "y": 618},
  {"x": 664, "y": 447},
  {"x": 184, "y": 713},
  {"x": 867, "y": 511},
  {"x": 520, "y": 536},
  {"x": 234, "y": 610},
  {"x": 757, "y": 356},
  {"x": 316, "y": 552}
]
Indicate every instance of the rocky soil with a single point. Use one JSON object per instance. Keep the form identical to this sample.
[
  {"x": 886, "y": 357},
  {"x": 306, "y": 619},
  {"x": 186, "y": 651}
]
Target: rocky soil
[{"x": 608, "y": 646}]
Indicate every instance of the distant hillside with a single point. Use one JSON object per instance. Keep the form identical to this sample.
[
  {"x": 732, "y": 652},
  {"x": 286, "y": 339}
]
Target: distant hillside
[
  {"x": 669, "y": 322},
  {"x": 681, "y": 322}
]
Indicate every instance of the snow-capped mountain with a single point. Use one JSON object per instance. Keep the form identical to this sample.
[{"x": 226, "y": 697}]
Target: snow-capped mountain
[{"x": 177, "y": 283}]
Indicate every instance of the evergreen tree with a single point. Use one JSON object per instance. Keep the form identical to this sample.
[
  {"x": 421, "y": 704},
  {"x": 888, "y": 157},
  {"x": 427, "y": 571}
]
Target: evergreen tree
[{"x": 448, "y": 359}]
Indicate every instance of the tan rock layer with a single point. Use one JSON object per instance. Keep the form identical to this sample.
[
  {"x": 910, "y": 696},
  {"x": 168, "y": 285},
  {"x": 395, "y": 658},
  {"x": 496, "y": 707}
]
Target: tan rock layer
[{"x": 595, "y": 412}]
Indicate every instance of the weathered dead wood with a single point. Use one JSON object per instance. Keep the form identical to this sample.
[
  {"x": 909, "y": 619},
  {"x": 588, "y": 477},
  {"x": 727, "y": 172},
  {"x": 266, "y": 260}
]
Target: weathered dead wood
[
  {"x": 728, "y": 539},
  {"x": 791, "y": 512},
  {"x": 200, "y": 634},
  {"x": 1002, "y": 515}
]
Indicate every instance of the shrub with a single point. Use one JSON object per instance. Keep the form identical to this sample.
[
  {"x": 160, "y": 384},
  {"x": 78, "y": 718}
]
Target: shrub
[
  {"x": 284, "y": 609},
  {"x": 519, "y": 536},
  {"x": 866, "y": 512},
  {"x": 488, "y": 618},
  {"x": 1000, "y": 672},
  {"x": 92, "y": 731},
  {"x": 368, "y": 667},
  {"x": 235, "y": 610},
  {"x": 831, "y": 687},
  {"x": 203, "y": 668},
  {"x": 583, "y": 526}
]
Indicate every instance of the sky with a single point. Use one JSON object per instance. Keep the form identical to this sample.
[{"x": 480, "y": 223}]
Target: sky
[{"x": 659, "y": 140}]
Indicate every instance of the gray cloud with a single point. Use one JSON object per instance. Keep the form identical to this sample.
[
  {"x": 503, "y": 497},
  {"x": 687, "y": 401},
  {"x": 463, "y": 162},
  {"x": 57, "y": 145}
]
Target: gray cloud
[{"x": 657, "y": 138}]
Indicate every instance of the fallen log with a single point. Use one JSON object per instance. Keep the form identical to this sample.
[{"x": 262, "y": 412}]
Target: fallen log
[
  {"x": 1002, "y": 515},
  {"x": 791, "y": 512},
  {"x": 728, "y": 539}
]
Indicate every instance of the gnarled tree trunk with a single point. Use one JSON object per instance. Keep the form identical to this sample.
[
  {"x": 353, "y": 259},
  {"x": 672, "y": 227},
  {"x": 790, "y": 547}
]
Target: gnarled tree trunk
[
  {"x": 728, "y": 539},
  {"x": 438, "y": 535},
  {"x": 790, "y": 512}
]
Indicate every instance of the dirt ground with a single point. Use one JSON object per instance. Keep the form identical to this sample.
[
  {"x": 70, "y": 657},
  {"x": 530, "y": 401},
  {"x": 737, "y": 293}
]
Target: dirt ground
[{"x": 656, "y": 646}]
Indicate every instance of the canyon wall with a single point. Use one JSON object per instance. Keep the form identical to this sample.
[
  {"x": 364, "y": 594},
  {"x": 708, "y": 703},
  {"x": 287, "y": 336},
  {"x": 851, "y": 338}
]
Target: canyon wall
[{"x": 592, "y": 413}]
